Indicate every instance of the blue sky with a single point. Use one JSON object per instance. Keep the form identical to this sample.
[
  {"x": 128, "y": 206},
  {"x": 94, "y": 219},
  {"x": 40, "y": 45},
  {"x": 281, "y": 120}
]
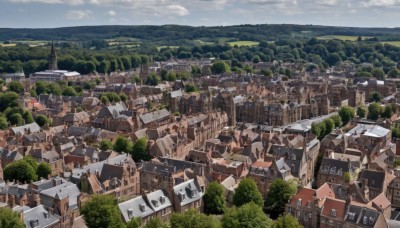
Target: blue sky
[{"x": 61, "y": 13}]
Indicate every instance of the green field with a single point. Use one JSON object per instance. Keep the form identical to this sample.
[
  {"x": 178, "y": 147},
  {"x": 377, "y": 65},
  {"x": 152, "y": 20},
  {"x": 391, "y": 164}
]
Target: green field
[
  {"x": 172, "y": 47},
  {"x": 340, "y": 37},
  {"x": 7, "y": 45},
  {"x": 394, "y": 43},
  {"x": 243, "y": 43}
]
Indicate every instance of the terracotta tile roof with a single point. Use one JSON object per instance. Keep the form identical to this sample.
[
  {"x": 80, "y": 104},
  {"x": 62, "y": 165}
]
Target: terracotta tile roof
[
  {"x": 306, "y": 195},
  {"x": 325, "y": 191},
  {"x": 261, "y": 164},
  {"x": 334, "y": 208},
  {"x": 381, "y": 201}
]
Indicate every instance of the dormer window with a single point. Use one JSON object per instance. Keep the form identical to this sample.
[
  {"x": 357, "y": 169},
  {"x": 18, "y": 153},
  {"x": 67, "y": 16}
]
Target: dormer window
[
  {"x": 192, "y": 193},
  {"x": 182, "y": 196},
  {"x": 34, "y": 222},
  {"x": 162, "y": 199},
  {"x": 142, "y": 207},
  {"x": 371, "y": 220},
  {"x": 293, "y": 156},
  {"x": 333, "y": 213},
  {"x": 299, "y": 202},
  {"x": 155, "y": 203},
  {"x": 130, "y": 213},
  {"x": 365, "y": 220},
  {"x": 352, "y": 216}
]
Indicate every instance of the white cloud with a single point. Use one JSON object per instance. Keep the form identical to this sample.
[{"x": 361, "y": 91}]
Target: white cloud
[
  {"x": 78, "y": 14},
  {"x": 112, "y": 13},
  {"x": 69, "y": 2},
  {"x": 384, "y": 3}
]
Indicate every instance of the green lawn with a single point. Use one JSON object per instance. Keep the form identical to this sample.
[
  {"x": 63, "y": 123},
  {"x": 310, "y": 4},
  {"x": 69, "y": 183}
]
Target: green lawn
[
  {"x": 7, "y": 45},
  {"x": 172, "y": 47},
  {"x": 243, "y": 43},
  {"x": 394, "y": 43},
  {"x": 340, "y": 37}
]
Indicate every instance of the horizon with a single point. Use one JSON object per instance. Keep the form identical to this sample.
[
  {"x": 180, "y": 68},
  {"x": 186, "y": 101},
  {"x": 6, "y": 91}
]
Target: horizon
[{"x": 208, "y": 13}]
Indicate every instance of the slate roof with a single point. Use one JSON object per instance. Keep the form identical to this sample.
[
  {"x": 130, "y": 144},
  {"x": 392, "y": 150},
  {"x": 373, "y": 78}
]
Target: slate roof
[
  {"x": 361, "y": 216},
  {"x": 334, "y": 167},
  {"x": 62, "y": 191},
  {"x": 132, "y": 208},
  {"x": 158, "y": 200},
  {"x": 40, "y": 216},
  {"x": 375, "y": 179},
  {"x": 155, "y": 116},
  {"x": 186, "y": 189},
  {"x": 33, "y": 127}
]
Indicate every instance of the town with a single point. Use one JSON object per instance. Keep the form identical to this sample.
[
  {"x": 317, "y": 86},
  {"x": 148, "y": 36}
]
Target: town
[{"x": 141, "y": 148}]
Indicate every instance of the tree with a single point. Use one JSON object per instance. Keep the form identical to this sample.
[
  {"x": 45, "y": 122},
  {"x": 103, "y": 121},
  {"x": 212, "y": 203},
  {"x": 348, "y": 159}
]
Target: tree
[
  {"x": 214, "y": 199},
  {"x": 123, "y": 144},
  {"x": 334, "y": 59},
  {"x": 193, "y": 219},
  {"x": 134, "y": 223},
  {"x": 346, "y": 177},
  {"x": 329, "y": 126},
  {"x": 153, "y": 80},
  {"x": 346, "y": 114},
  {"x": 21, "y": 171},
  {"x": 375, "y": 97},
  {"x": 27, "y": 115},
  {"x": 287, "y": 221},
  {"x": 362, "y": 112},
  {"x": 3, "y": 123},
  {"x": 387, "y": 112},
  {"x": 393, "y": 73},
  {"x": 220, "y": 67},
  {"x": 106, "y": 144},
  {"x": 139, "y": 150},
  {"x": 16, "y": 119},
  {"x": 8, "y": 99},
  {"x": 41, "y": 120},
  {"x": 16, "y": 87},
  {"x": 10, "y": 219},
  {"x": 280, "y": 192},
  {"x": 43, "y": 170},
  {"x": 337, "y": 120},
  {"x": 247, "y": 192},
  {"x": 256, "y": 59},
  {"x": 374, "y": 111},
  {"x": 40, "y": 87},
  {"x": 249, "y": 215},
  {"x": 155, "y": 223},
  {"x": 101, "y": 211},
  {"x": 69, "y": 91},
  {"x": 316, "y": 129},
  {"x": 378, "y": 73}
]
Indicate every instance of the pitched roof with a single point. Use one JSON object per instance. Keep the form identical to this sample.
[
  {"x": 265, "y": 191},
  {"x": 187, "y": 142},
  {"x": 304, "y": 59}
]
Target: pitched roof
[
  {"x": 303, "y": 197},
  {"x": 40, "y": 216},
  {"x": 32, "y": 127},
  {"x": 155, "y": 116},
  {"x": 334, "y": 208}
]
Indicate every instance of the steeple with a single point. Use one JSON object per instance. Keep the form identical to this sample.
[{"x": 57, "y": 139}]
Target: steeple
[{"x": 53, "y": 58}]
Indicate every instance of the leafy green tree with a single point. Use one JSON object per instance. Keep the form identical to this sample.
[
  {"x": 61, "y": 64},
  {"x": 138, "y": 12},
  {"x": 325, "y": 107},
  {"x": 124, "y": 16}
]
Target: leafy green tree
[
  {"x": 153, "y": 80},
  {"x": 104, "y": 99},
  {"x": 123, "y": 97},
  {"x": 256, "y": 59},
  {"x": 123, "y": 144},
  {"x": 193, "y": 219},
  {"x": 190, "y": 88},
  {"x": 334, "y": 59},
  {"x": 249, "y": 215},
  {"x": 220, "y": 67},
  {"x": 41, "y": 120},
  {"x": 69, "y": 91},
  {"x": 10, "y": 219},
  {"x": 378, "y": 73},
  {"x": 16, "y": 119},
  {"x": 3, "y": 123},
  {"x": 20, "y": 171},
  {"x": 247, "y": 192},
  {"x": 346, "y": 114},
  {"x": 27, "y": 115},
  {"x": 280, "y": 192},
  {"x": 155, "y": 223},
  {"x": 139, "y": 150},
  {"x": 375, "y": 97},
  {"x": 106, "y": 144},
  {"x": 287, "y": 221},
  {"x": 329, "y": 126},
  {"x": 101, "y": 211},
  {"x": 41, "y": 87},
  {"x": 214, "y": 199},
  {"x": 54, "y": 88},
  {"x": 337, "y": 120},
  {"x": 362, "y": 112},
  {"x": 374, "y": 111},
  {"x": 387, "y": 112},
  {"x": 393, "y": 73},
  {"x": 16, "y": 87},
  {"x": 8, "y": 100},
  {"x": 316, "y": 129},
  {"x": 134, "y": 223},
  {"x": 43, "y": 170},
  {"x": 104, "y": 67}
]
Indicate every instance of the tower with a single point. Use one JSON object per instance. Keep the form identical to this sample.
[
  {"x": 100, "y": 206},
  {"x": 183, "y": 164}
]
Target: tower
[{"x": 53, "y": 58}]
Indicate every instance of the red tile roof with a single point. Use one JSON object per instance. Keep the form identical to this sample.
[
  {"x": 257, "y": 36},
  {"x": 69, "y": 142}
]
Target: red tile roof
[
  {"x": 330, "y": 205},
  {"x": 305, "y": 194},
  {"x": 261, "y": 164},
  {"x": 381, "y": 201}
]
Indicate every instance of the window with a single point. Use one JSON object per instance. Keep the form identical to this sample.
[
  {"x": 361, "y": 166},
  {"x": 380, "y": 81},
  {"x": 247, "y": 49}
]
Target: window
[
  {"x": 333, "y": 212},
  {"x": 299, "y": 202},
  {"x": 298, "y": 214}
]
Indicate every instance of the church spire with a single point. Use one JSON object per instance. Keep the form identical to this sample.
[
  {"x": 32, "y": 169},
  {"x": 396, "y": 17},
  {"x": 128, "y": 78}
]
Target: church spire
[{"x": 53, "y": 58}]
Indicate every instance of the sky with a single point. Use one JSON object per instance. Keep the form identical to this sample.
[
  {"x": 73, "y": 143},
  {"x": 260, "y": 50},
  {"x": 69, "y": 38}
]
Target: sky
[{"x": 63, "y": 13}]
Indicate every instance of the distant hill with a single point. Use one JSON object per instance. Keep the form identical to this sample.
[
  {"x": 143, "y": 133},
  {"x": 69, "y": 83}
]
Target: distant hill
[{"x": 178, "y": 32}]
